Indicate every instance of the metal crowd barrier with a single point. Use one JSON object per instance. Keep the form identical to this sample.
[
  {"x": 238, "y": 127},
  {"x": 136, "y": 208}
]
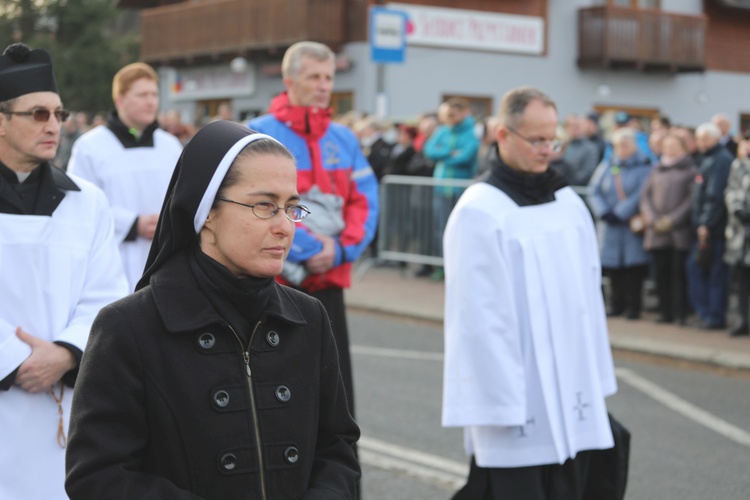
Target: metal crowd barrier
[{"x": 410, "y": 228}]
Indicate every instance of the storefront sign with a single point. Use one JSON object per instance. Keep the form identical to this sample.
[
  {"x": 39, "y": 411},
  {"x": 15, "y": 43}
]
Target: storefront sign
[
  {"x": 211, "y": 82},
  {"x": 471, "y": 29}
]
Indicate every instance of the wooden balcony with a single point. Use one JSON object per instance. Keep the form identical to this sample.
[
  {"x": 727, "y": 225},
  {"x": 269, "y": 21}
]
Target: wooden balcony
[
  {"x": 219, "y": 29},
  {"x": 645, "y": 40}
]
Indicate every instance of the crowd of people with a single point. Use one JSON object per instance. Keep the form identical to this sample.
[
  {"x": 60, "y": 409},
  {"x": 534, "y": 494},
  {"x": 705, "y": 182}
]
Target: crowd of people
[{"x": 683, "y": 185}]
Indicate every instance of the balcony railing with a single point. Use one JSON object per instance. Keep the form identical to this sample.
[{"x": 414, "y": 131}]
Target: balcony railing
[
  {"x": 647, "y": 40},
  {"x": 216, "y": 28}
]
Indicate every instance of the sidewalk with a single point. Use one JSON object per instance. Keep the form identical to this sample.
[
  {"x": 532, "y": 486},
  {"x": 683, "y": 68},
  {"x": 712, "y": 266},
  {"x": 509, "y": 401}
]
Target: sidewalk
[{"x": 389, "y": 290}]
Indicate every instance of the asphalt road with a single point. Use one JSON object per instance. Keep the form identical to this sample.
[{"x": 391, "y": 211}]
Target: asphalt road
[{"x": 690, "y": 424}]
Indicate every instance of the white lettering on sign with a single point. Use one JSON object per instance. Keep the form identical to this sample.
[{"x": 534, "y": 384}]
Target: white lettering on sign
[{"x": 471, "y": 29}]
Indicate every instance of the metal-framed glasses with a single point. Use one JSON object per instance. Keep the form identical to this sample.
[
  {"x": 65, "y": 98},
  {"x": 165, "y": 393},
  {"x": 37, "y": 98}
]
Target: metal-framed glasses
[
  {"x": 538, "y": 144},
  {"x": 42, "y": 114},
  {"x": 267, "y": 209}
]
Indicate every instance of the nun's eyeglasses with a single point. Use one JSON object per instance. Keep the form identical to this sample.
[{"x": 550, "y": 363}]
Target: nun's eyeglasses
[{"x": 266, "y": 209}]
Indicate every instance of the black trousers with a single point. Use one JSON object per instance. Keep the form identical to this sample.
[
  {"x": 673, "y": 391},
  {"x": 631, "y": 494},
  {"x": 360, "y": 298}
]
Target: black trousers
[
  {"x": 671, "y": 284},
  {"x": 541, "y": 482},
  {"x": 742, "y": 275},
  {"x": 333, "y": 301},
  {"x": 626, "y": 289}
]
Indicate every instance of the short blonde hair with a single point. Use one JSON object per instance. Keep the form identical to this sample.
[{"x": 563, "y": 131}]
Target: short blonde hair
[{"x": 128, "y": 75}]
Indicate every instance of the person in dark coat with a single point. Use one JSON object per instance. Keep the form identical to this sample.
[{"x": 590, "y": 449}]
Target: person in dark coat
[
  {"x": 665, "y": 205},
  {"x": 213, "y": 381},
  {"x": 707, "y": 273}
]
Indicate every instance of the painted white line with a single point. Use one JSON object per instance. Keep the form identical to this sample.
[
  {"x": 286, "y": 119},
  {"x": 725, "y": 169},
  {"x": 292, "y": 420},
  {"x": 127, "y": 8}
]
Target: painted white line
[
  {"x": 684, "y": 408},
  {"x": 424, "y": 466},
  {"x": 427, "y": 459},
  {"x": 397, "y": 353},
  {"x": 425, "y": 474}
]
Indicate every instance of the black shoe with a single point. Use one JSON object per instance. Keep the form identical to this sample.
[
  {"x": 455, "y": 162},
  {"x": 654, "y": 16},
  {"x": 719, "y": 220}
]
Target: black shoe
[
  {"x": 614, "y": 312},
  {"x": 663, "y": 320},
  {"x": 740, "y": 330},
  {"x": 632, "y": 315},
  {"x": 424, "y": 272}
]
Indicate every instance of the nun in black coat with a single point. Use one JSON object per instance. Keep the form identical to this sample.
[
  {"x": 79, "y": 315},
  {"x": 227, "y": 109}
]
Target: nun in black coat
[{"x": 212, "y": 381}]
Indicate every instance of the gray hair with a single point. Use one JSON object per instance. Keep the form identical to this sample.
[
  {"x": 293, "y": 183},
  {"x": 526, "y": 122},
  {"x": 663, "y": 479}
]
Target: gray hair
[
  {"x": 625, "y": 134},
  {"x": 515, "y": 101},
  {"x": 709, "y": 129},
  {"x": 292, "y": 62},
  {"x": 7, "y": 106}
]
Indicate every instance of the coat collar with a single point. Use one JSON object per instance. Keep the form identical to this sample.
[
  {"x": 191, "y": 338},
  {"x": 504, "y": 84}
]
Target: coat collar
[{"x": 184, "y": 308}]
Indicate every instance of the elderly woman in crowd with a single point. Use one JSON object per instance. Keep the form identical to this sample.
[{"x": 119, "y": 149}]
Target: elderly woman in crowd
[
  {"x": 614, "y": 193},
  {"x": 665, "y": 206},
  {"x": 737, "y": 253},
  {"x": 213, "y": 381}
]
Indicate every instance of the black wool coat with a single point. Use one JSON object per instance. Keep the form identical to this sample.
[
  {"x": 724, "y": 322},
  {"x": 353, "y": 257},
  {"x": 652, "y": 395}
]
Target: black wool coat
[{"x": 170, "y": 404}]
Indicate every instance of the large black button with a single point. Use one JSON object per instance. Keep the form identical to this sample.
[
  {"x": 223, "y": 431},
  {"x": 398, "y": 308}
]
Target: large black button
[
  {"x": 291, "y": 455},
  {"x": 206, "y": 341},
  {"x": 221, "y": 398},
  {"x": 283, "y": 394},
  {"x": 273, "y": 339},
  {"x": 228, "y": 461}
]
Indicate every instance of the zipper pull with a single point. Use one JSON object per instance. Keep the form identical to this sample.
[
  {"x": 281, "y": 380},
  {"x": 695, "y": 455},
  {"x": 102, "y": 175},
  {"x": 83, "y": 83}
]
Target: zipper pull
[{"x": 246, "y": 357}]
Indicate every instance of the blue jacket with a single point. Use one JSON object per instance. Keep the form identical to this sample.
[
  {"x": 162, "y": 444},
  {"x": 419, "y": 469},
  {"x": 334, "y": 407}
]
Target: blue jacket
[
  {"x": 454, "y": 151},
  {"x": 620, "y": 247}
]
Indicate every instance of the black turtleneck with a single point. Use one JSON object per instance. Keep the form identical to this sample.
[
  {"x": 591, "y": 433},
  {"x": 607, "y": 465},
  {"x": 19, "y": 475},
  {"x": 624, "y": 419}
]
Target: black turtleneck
[
  {"x": 525, "y": 189},
  {"x": 126, "y": 138},
  {"x": 239, "y": 300}
]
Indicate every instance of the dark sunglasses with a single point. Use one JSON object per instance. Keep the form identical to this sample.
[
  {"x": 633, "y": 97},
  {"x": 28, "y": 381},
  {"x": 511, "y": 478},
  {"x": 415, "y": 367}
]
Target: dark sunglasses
[{"x": 42, "y": 114}]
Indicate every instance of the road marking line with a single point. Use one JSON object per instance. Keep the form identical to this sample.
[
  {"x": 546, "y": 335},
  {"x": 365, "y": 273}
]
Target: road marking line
[
  {"x": 397, "y": 353},
  {"x": 424, "y": 466},
  {"x": 684, "y": 408},
  {"x": 434, "y": 461}
]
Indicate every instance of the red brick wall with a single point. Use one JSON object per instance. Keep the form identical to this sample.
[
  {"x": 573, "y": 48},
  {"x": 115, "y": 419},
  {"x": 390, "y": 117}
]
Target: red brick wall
[{"x": 727, "y": 38}]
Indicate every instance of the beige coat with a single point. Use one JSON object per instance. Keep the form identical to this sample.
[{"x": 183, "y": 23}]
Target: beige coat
[{"x": 737, "y": 196}]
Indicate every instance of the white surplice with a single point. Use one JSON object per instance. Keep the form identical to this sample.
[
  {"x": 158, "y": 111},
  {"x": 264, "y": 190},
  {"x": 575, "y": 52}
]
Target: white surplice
[
  {"x": 527, "y": 356},
  {"x": 56, "y": 272},
  {"x": 134, "y": 179}
]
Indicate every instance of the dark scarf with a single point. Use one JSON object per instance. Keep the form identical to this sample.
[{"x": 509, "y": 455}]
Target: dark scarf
[
  {"x": 126, "y": 138},
  {"x": 525, "y": 189},
  {"x": 311, "y": 124},
  {"x": 240, "y": 300}
]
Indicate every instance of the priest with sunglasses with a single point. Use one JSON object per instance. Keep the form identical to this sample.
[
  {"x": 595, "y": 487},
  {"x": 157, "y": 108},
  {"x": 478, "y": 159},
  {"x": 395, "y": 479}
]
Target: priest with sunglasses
[{"x": 59, "y": 264}]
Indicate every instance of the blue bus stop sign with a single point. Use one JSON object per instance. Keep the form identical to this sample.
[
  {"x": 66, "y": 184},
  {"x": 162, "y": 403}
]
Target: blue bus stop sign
[{"x": 387, "y": 35}]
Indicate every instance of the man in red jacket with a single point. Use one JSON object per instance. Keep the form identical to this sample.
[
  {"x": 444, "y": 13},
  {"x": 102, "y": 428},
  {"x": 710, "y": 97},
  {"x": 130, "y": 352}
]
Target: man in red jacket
[{"x": 334, "y": 180}]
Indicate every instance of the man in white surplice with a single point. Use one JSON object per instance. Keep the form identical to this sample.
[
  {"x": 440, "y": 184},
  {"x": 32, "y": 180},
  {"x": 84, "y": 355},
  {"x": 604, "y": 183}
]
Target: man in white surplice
[
  {"x": 527, "y": 357},
  {"x": 59, "y": 265},
  {"x": 131, "y": 159}
]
